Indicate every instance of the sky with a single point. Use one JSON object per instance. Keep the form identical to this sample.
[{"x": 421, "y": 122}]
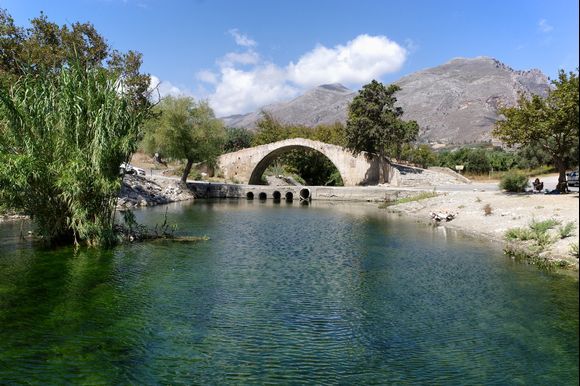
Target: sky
[{"x": 242, "y": 55}]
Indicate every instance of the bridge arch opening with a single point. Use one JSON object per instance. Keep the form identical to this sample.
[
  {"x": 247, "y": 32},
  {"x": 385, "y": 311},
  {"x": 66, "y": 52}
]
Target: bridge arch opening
[{"x": 315, "y": 167}]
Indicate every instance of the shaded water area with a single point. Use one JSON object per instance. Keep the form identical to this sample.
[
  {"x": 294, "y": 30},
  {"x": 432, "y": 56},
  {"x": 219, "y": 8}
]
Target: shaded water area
[{"x": 318, "y": 294}]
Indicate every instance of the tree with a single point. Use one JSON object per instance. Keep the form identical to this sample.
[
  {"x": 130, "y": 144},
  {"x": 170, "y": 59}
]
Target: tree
[
  {"x": 374, "y": 123},
  {"x": 423, "y": 155},
  {"x": 551, "y": 123},
  {"x": 270, "y": 130},
  {"x": 45, "y": 47},
  {"x": 185, "y": 130},
  {"x": 63, "y": 136},
  {"x": 237, "y": 139}
]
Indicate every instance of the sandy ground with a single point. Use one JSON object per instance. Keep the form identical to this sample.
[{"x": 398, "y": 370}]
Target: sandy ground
[{"x": 508, "y": 211}]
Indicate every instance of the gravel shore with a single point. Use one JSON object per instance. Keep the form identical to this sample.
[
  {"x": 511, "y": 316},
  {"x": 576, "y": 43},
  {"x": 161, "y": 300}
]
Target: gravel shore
[{"x": 507, "y": 211}]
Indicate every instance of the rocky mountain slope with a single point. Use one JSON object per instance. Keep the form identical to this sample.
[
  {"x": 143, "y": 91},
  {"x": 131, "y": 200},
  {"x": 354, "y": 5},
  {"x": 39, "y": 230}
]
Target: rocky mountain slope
[{"x": 453, "y": 103}]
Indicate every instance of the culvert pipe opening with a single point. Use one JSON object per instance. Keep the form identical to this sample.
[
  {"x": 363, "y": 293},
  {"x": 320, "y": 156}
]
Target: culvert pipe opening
[
  {"x": 250, "y": 195},
  {"x": 289, "y": 196},
  {"x": 277, "y": 195},
  {"x": 262, "y": 196},
  {"x": 305, "y": 194}
]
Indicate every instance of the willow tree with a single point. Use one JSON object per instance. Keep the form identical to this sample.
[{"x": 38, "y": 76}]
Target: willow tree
[
  {"x": 374, "y": 124},
  {"x": 62, "y": 137},
  {"x": 185, "y": 130},
  {"x": 550, "y": 123}
]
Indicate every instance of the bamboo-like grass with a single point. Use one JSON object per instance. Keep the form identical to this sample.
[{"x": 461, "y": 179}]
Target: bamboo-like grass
[{"x": 63, "y": 136}]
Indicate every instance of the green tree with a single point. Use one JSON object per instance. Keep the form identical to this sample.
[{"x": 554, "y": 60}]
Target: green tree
[
  {"x": 270, "y": 130},
  {"x": 477, "y": 161},
  {"x": 185, "y": 130},
  {"x": 45, "y": 47},
  {"x": 551, "y": 123},
  {"x": 374, "y": 124},
  {"x": 63, "y": 136},
  {"x": 237, "y": 139},
  {"x": 423, "y": 156}
]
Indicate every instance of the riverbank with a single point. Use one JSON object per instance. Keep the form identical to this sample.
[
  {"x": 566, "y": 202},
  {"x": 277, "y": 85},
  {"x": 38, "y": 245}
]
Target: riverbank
[
  {"x": 138, "y": 191},
  {"x": 491, "y": 214}
]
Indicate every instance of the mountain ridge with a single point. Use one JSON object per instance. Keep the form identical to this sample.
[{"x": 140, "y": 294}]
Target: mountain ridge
[{"x": 453, "y": 103}]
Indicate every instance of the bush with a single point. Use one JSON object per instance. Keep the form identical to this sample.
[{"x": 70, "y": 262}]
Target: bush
[
  {"x": 62, "y": 139},
  {"x": 487, "y": 210},
  {"x": 567, "y": 230},
  {"x": 522, "y": 234},
  {"x": 514, "y": 182},
  {"x": 543, "y": 226}
]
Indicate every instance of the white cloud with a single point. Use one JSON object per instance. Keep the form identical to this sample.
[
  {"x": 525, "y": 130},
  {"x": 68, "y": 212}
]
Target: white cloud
[
  {"x": 243, "y": 91},
  {"x": 544, "y": 26},
  {"x": 233, "y": 58},
  {"x": 360, "y": 60},
  {"x": 161, "y": 89},
  {"x": 207, "y": 76},
  {"x": 246, "y": 82},
  {"x": 241, "y": 39}
]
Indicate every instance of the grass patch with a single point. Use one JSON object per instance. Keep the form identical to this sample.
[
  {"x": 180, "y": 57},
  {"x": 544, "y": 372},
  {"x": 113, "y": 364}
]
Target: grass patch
[
  {"x": 532, "y": 256},
  {"x": 418, "y": 197},
  {"x": 522, "y": 234},
  {"x": 574, "y": 250},
  {"x": 527, "y": 243},
  {"x": 543, "y": 226},
  {"x": 567, "y": 230}
]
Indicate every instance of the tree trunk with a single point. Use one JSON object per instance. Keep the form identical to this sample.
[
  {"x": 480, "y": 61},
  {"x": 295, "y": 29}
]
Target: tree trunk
[
  {"x": 562, "y": 184},
  {"x": 186, "y": 171},
  {"x": 381, "y": 166}
]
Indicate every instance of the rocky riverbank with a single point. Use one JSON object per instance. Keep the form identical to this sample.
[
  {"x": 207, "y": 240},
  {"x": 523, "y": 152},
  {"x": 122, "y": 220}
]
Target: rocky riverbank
[
  {"x": 491, "y": 214},
  {"x": 138, "y": 191}
]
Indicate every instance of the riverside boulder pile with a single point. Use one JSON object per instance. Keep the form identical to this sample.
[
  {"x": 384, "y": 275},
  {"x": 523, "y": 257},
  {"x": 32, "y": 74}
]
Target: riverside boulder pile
[{"x": 138, "y": 191}]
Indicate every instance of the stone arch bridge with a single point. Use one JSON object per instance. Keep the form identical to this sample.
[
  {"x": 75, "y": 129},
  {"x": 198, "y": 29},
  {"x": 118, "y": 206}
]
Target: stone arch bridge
[{"x": 246, "y": 166}]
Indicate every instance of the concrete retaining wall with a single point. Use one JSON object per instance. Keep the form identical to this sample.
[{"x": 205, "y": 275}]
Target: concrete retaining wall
[{"x": 328, "y": 193}]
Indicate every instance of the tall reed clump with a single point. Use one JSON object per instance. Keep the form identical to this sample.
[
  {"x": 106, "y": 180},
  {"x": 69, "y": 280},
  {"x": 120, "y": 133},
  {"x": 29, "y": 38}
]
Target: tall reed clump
[{"x": 62, "y": 137}]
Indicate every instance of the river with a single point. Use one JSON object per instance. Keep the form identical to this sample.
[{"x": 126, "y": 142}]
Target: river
[{"x": 316, "y": 294}]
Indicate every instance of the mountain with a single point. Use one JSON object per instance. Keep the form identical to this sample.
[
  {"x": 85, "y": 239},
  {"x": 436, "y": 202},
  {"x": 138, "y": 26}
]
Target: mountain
[
  {"x": 453, "y": 103},
  {"x": 324, "y": 104}
]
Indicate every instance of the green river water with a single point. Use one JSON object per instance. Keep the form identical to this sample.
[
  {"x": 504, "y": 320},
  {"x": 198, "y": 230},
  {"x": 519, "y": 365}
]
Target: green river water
[{"x": 284, "y": 294}]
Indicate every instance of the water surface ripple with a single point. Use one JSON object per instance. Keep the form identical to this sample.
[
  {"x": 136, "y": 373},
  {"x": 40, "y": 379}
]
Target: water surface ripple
[{"x": 284, "y": 294}]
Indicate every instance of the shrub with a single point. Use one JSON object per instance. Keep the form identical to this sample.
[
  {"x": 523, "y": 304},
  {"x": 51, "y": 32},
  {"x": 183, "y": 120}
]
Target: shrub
[
  {"x": 567, "y": 230},
  {"x": 514, "y": 182},
  {"x": 62, "y": 139},
  {"x": 543, "y": 226},
  {"x": 574, "y": 250},
  {"x": 487, "y": 209},
  {"x": 519, "y": 234}
]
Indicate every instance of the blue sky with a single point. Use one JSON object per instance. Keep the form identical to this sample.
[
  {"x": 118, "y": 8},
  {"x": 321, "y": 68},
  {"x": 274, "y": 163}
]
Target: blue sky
[{"x": 241, "y": 55}]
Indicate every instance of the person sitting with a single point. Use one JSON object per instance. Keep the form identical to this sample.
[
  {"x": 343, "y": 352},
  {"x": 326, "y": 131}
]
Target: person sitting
[{"x": 538, "y": 185}]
